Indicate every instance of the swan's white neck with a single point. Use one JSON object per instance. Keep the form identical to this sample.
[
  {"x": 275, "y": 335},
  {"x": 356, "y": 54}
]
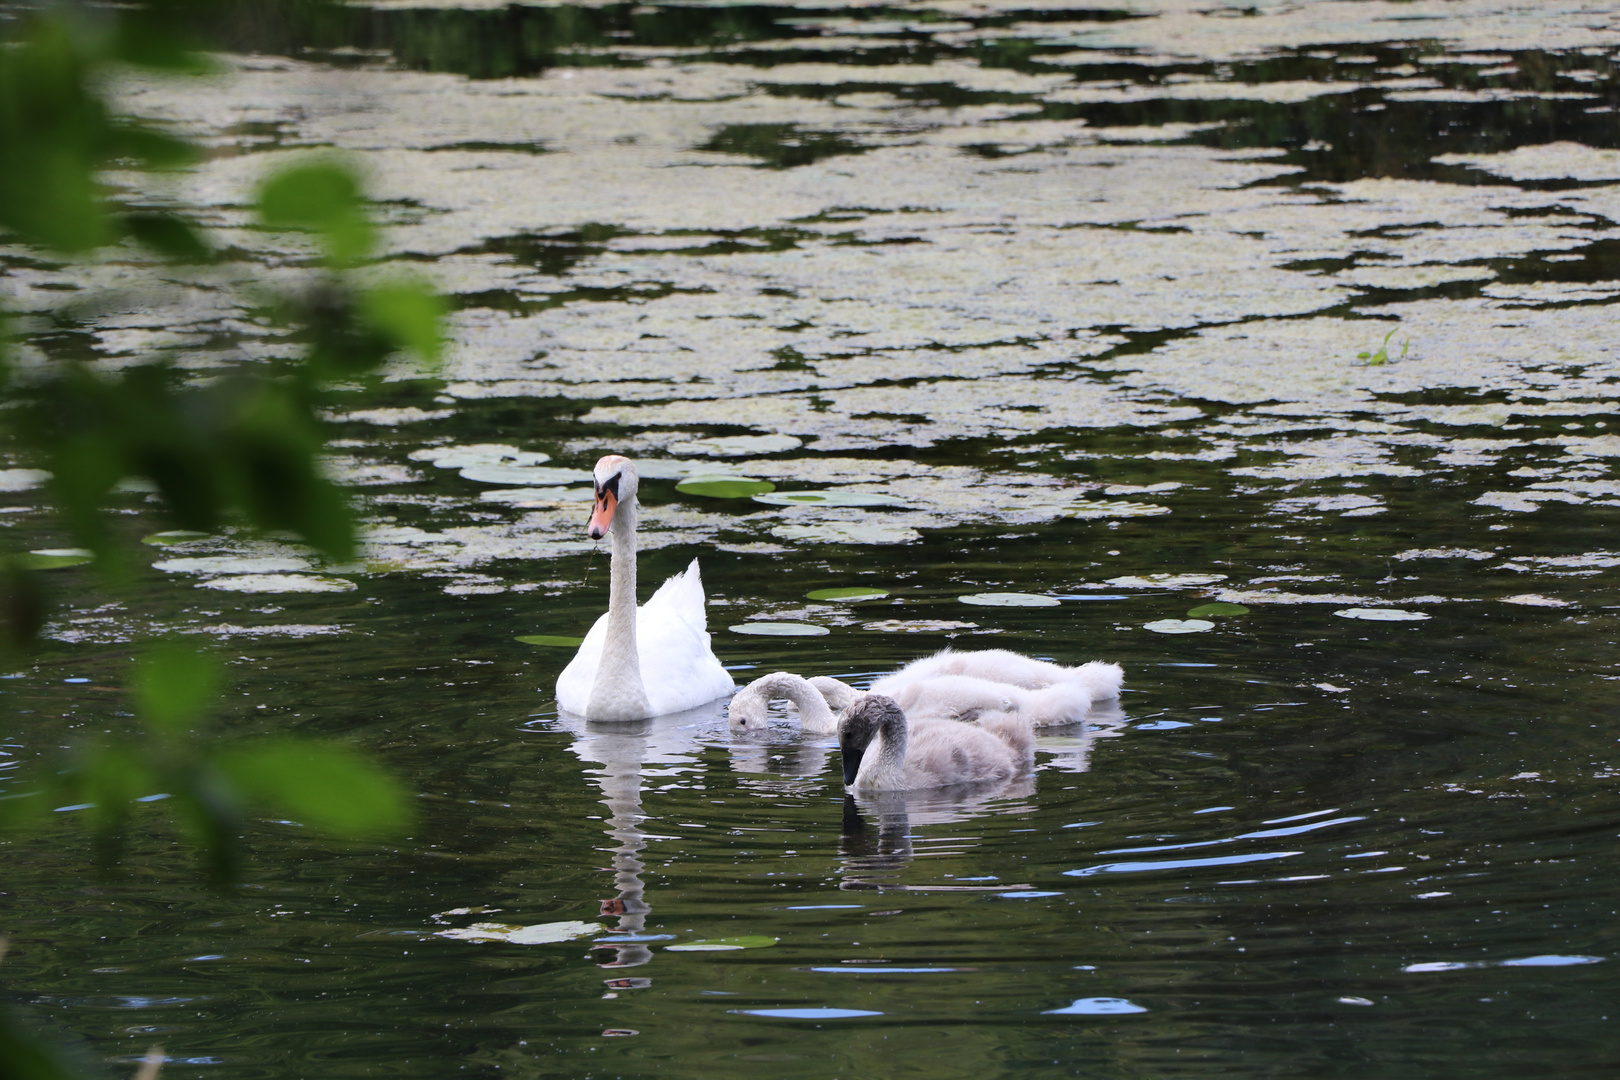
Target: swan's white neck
[
  {"x": 814, "y": 715},
  {"x": 883, "y": 766},
  {"x": 618, "y": 693}
]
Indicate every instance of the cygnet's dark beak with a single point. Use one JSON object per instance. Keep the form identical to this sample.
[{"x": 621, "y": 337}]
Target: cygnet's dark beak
[{"x": 852, "y": 762}]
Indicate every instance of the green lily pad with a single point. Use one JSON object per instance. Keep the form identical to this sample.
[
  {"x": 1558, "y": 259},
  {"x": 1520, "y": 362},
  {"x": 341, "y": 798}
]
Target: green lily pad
[
  {"x": 1381, "y": 614},
  {"x": 724, "y": 487},
  {"x": 174, "y": 536},
  {"x": 1009, "y": 599},
  {"x": 1178, "y": 626},
  {"x": 56, "y": 558},
  {"x": 1218, "y": 607},
  {"x": 560, "y": 641},
  {"x": 724, "y": 944},
  {"x": 779, "y": 629},
  {"x": 850, "y": 594},
  {"x": 827, "y": 497}
]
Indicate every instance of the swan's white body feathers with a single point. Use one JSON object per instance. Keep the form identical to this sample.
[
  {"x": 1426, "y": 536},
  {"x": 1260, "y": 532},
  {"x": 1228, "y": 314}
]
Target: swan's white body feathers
[{"x": 679, "y": 670}]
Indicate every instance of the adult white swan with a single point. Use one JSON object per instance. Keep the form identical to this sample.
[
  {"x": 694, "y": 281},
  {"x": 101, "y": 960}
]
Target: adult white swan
[
  {"x": 884, "y": 752},
  {"x": 646, "y": 661}
]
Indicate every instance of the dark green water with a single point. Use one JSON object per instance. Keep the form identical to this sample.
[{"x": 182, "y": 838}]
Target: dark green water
[{"x": 1311, "y": 845}]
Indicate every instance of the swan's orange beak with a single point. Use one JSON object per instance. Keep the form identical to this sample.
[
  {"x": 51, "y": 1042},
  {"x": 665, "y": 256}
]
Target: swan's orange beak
[{"x": 602, "y": 515}]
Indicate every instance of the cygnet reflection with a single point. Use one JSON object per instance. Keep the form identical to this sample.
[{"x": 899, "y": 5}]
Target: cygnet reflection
[
  {"x": 776, "y": 745},
  {"x": 1068, "y": 749},
  {"x": 878, "y": 838}
]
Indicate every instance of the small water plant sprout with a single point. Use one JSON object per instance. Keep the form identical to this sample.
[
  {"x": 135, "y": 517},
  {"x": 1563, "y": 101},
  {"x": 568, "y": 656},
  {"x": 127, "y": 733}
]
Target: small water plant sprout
[{"x": 1374, "y": 359}]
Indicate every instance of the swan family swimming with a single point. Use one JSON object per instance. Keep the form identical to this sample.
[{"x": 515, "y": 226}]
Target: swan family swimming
[{"x": 951, "y": 718}]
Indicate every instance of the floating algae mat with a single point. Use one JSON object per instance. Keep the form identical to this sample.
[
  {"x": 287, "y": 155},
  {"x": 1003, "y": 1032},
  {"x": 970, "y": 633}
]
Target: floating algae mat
[{"x": 1286, "y": 329}]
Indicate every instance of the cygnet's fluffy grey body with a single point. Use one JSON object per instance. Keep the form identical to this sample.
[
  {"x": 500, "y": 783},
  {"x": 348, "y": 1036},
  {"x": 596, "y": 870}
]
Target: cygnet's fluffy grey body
[
  {"x": 961, "y": 684},
  {"x": 884, "y": 751}
]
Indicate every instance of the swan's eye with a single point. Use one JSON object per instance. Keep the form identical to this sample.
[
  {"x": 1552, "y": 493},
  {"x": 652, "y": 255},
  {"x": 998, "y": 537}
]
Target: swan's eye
[{"x": 611, "y": 484}]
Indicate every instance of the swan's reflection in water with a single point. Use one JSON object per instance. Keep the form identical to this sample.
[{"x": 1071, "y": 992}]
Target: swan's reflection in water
[{"x": 632, "y": 756}]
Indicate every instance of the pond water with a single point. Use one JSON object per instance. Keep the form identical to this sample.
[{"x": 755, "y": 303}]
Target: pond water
[{"x": 1300, "y": 307}]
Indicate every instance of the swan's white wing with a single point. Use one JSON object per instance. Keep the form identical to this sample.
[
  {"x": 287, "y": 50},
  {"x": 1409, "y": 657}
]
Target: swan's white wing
[{"x": 678, "y": 668}]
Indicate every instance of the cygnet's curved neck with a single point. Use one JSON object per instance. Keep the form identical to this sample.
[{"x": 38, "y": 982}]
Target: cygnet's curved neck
[
  {"x": 884, "y": 763},
  {"x": 814, "y": 716},
  {"x": 618, "y": 693}
]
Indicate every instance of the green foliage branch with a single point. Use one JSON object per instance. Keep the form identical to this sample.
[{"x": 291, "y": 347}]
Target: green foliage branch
[{"x": 236, "y": 451}]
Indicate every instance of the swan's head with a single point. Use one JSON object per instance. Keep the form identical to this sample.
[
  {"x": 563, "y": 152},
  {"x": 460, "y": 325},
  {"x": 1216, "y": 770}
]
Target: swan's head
[
  {"x": 859, "y": 724},
  {"x": 615, "y": 480}
]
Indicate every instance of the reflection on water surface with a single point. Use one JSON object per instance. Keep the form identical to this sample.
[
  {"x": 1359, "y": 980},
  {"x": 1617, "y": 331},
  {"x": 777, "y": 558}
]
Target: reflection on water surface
[{"x": 1066, "y": 303}]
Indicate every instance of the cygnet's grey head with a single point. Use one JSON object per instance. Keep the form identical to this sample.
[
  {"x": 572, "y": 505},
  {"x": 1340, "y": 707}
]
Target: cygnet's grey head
[
  {"x": 748, "y": 709},
  {"x": 859, "y": 724}
]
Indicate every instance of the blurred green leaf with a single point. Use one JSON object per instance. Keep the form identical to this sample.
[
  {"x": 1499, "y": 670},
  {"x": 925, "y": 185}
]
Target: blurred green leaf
[
  {"x": 167, "y": 234},
  {"x": 25, "y": 1056},
  {"x": 208, "y": 805},
  {"x": 22, "y": 810},
  {"x": 321, "y": 197},
  {"x": 152, "y": 149},
  {"x": 409, "y": 314},
  {"x": 110, "y": 777},
  {"x": 271, "y": 445},
  {"x": 329, "y": 786},
  {"x": 152, "y": 36},
  {"x": 53, "y": 133},
  {"x": 174, "y": 687},
  {"x": 23, "y": 608}
]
